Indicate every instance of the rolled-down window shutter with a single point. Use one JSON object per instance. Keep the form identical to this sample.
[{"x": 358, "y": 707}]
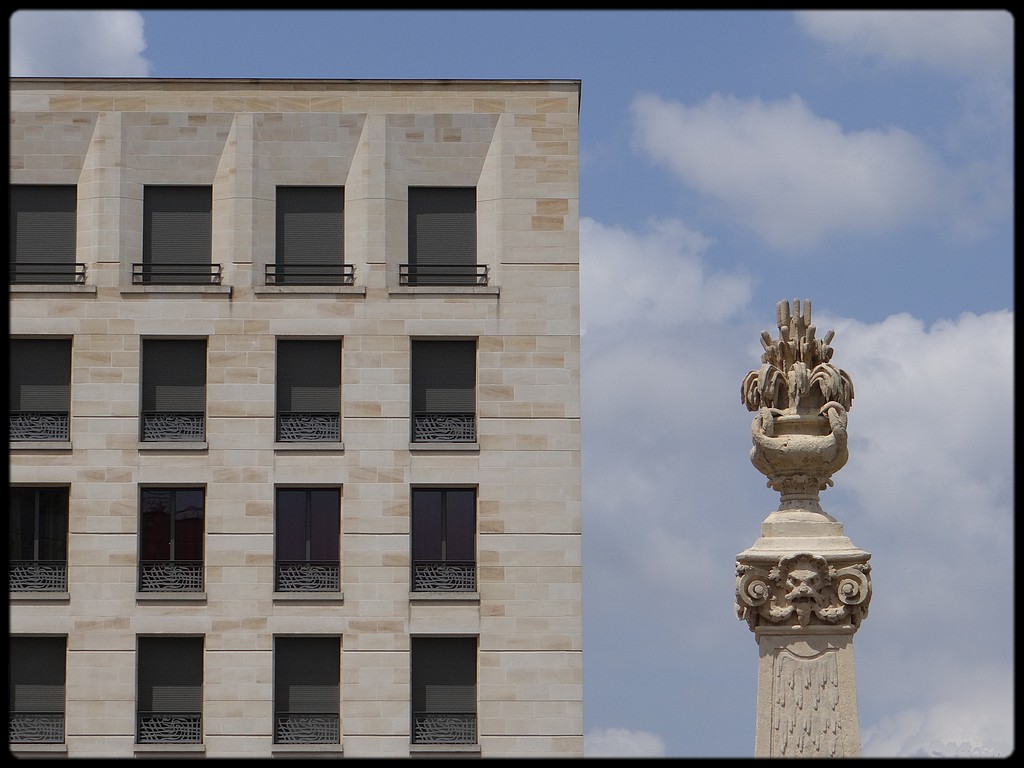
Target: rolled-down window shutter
[
  {"x": 309, "y": 376},
  {"x": 170, "y": 673},
  {"x": 174, "y": 376},
  {"x": 307, "y": 675},
  {"x": 444, "y": 674},
  {"x": 43, "y": 223},
  {"x": 40, "y": 375},
  {"x": 442, "y": 225},
  {"x": 177, "y": 225},
  {"x": 36, "y": 673},
  {"x": 444, "y": 376},
  {"x": 310, "y": 225}
]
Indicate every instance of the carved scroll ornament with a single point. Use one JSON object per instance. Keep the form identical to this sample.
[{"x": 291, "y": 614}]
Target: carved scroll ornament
[{"x": 802, "y": 590}]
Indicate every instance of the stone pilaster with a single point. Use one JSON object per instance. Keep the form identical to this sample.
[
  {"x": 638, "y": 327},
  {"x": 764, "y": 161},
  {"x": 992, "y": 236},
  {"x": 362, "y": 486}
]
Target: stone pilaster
[{"x": 803, "y": 587}]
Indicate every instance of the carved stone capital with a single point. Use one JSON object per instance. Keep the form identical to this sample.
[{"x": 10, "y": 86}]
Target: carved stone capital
[{"x": 802, "y": 590}]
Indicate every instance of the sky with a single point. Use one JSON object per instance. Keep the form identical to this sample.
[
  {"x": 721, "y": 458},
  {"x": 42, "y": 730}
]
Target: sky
[{"x": 729, "y": 160}]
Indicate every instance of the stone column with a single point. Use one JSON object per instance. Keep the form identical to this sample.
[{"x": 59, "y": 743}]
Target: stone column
[{"x": 802, "y": 587}]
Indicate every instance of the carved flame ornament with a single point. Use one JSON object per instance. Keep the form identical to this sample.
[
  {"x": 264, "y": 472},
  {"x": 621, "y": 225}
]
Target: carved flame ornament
[{"x": 801, "y": 401}]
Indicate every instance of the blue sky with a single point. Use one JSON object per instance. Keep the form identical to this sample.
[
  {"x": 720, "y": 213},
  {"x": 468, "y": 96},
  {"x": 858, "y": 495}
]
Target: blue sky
[{"x": 731, "y": 159}]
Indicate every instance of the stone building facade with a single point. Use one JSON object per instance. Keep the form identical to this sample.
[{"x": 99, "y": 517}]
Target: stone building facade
[{"x": 295, "y": 418}]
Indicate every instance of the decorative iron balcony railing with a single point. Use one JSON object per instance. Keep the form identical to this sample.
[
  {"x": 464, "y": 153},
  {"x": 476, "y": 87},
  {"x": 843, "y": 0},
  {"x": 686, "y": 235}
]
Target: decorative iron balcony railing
[
  {"x": 307, "y": 576},
  {"x": 56, "y": 272},
  {"x": 36, "y": 728},
  {"x": 40, "y": 425},
  {"x": 37, "y": 576},
  {"x": 308, "y": 427},
  {"x": 171, "y": 576},
  {"x": 169, "y": 727},
  {"x": 443, "y": 427},
  {"x": 310, "y": 274},
  {"x": 198, "y": 273},
  {"x": 443, "y": 576},
  {"x": 173, "y": 426},
  {"x": 442, "y": 274},
  {"x": 306, "y": 728},
  {"x": 443, "y": 728}
]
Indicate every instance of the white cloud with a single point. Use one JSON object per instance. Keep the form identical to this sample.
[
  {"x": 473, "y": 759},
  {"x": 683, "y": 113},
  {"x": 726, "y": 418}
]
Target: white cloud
[
  {"x": 955, "y": 42},
  {"x": 787, "y": 174},
  {"x": 621, "y": 742},
  {"x": 655, "y": 278},
  {"x": 77, "y": 44}
]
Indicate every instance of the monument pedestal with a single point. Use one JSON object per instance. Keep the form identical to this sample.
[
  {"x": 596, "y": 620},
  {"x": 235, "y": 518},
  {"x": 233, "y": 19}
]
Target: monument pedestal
[{"x": 803, "y": 587}]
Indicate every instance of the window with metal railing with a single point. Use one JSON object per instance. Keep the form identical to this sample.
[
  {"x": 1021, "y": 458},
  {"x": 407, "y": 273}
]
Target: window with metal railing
[
  {"x": 442, "y": 238},
  {"x": 169, "y": 696},
  {"x": 443, "y": 391},
  {"x": 39, "y": 376},
  {"x": 443, "y": 540},
  {"x": 307, "y": 527},
  {"x": 310, "y": 237},
  {"x": 171, "y": 531},
  {"x": 177, "y": 237},
  {"x": 308, "y": 390},
  {"x": 307, "y": 703},
  {"x": 444, "y": 709},
  {"x": 36, "y": 680},
  {"x": 43, "y": 232},
  {"x": 38, "y": 539},
  {"x": 173, "y": 390}
]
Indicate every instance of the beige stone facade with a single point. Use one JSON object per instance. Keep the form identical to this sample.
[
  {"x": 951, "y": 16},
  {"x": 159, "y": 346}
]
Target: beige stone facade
[{"x": 516, "y": 143}]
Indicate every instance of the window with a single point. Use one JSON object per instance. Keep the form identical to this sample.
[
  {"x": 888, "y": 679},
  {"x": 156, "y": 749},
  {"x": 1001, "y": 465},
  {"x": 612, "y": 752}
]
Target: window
[
  {"x": 308, "y": 391},
  {"x": 177, "y": 236},
  {"x": 307, "y": 527},
  {"x": 310, "y": 237},
  {"x": 444, "y": 690},
  {"x": 43, "y": 230},
  {"x": 36, "y": 675},
  {"x": 307, "y": 672},
  {"x": 38, "y": 540},
  {"x": 442, "y": 238},
  {"x": 170, "y": 690},
  {"x": 171, "y": 539},
  {"x": 173, "y": 389},
  {"x": 40, "y": 389},
  {"x": 443, "y": 539},
  {"x": 443, "y": 391}
]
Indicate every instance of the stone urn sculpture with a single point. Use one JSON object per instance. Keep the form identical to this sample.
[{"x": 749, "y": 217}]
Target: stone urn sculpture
[{"x": 803, "y": 587}]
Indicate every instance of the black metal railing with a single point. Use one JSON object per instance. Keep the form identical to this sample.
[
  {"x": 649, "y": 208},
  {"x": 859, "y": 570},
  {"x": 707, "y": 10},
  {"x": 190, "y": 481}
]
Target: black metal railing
[
  {"x": 442, "y": 274},
  {"x": 198, "y": 273},
  {"x": 307, "y": 576},
  {"x": 39, "y": 425},
  {"x": 443, "y": 427},
  {"x": 169, "y": 728},
  {"x": 307, "y": 728},
  {"x": 310, "y": 274},
  {"x": 444, "y": 728},
  {"x": 37, "y": 576},
  {"x": 171, "y": 576},
  {"x": 55, "y": 272},
  {"x": 308, "y": 427},
  {"x": 35, "y": 728},
  {"x": 443, "y": 576},
  {"x": 158, "y": 426}
]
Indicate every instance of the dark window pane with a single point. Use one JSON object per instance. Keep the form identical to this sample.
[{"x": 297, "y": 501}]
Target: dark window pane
[
  {"x": 460, "y": 525},
  {"x": 188, "y": 524},
  {"x": 291, "y": 525},
  {"x": 22, "y": 524},
  {"x": 324, "y": 524},
  {"x": 427, "y": 524},
  {"x": 155, "y": 525},
  {"x": 53, "y": 523}
]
